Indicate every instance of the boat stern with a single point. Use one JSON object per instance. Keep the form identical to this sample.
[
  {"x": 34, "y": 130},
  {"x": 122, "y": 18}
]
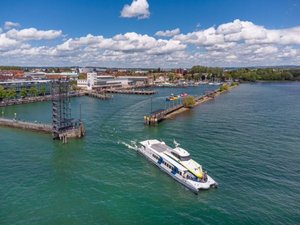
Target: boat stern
[{"x": 209, "y": 183}]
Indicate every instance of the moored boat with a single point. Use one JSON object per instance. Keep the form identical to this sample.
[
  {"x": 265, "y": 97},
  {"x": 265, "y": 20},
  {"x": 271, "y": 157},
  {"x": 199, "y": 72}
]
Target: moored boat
[{"x": 173, "y": 97}]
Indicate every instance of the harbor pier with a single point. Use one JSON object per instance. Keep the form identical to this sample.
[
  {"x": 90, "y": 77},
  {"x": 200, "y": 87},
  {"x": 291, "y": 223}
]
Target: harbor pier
[
  {"x": 63, "y": 126},
  {"x": 156, "y": 117},
  {"x": 72, "y": 132},
  {"x": 25, "y": 125},
  {"x": 131, "y": 91}
]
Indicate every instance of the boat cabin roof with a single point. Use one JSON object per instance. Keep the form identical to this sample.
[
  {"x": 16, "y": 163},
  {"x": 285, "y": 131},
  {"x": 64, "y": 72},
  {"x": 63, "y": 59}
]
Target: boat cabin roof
[
  {"x": 181, "y": 152},
  {"x": 160, "y": 148}
]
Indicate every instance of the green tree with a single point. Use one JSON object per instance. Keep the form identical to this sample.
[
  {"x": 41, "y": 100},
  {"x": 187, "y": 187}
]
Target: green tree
[
  {"x": 10, "y": 68},
  {"x": 11, "y": 93},
  {"x": 197, "y": 77},
  {"x": 189, "y": 101},
  {"x": 43, "y": 90},
  {"x": 23, "y": 92},
  {"x": 73, "y": 85},
  {"x": 3, "y": 93},
  {"x": 171, "y": 76},
  {"x": 33, "y": 91},
  {"x": 82, "y": 76},
  {"x": 261, "y": 74},
  {"x": 188, "y": 77}
]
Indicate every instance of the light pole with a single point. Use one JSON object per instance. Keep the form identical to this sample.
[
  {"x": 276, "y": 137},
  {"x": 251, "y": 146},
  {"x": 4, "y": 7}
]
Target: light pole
[
  {"x": 151, "y": 104},
  {"x": 80, "y": 112}
]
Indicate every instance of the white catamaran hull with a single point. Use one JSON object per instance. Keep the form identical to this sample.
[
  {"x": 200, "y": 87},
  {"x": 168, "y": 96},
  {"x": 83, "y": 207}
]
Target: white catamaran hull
[{"x": 194, "y": 186}]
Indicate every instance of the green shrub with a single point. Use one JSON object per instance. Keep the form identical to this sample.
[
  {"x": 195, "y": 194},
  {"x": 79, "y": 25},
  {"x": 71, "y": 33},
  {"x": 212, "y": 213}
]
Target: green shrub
[
  {"x": 224, "y": 87},
  {"x": 189, "y": 101}
]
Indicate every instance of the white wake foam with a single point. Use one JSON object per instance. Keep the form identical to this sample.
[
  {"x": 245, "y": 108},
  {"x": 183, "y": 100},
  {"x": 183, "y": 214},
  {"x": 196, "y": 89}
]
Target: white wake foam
[{"x": 132, "y": 145}]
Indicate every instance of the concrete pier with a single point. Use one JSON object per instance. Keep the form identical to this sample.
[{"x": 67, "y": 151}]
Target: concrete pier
[
  {"x": 75, "y": 132},
  {"x": 99, "y": 95},
  {"x": 160, "y": 115},
  {"x": 130, "y": 91},
  {"x": 46, "y": 128},
  {"x": 72, "y": 132}
]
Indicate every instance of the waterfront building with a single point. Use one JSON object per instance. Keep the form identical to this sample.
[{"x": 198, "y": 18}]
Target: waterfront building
[
  {"x": 71, "y": 76},
  {"x": 108, "y": 81},
  {"x": 43, "y": 75},
  {"x": 19, "y": 84}
]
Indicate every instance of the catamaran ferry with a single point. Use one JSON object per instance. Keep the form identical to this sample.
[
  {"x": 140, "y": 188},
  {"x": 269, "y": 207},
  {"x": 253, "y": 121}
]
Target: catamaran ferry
[{"x": 177, "y": 163}]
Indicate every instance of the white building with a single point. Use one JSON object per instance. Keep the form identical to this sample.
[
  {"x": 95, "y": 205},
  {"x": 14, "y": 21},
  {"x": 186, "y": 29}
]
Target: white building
[
  {"x": 85, "y": 70},
  {"x": 107, "y": 81},
  {"x": 89, "y": 82}
]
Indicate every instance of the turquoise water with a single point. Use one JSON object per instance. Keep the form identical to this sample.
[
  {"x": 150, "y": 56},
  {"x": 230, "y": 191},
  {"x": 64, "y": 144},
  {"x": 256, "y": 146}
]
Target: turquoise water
[{"x": 248, "y": 140}]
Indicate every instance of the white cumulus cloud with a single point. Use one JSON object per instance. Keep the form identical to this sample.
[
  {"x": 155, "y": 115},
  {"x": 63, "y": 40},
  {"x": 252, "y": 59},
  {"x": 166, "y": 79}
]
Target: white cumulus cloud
[
  {"x": 8, "y": 25},
  {"x": 237, "y": 43},
  {"x": 6, "y": 43},
  {"x": 138, "y": 8},
  {"x": 33, "y": 34},
  {"x": 168, "y": 33}
]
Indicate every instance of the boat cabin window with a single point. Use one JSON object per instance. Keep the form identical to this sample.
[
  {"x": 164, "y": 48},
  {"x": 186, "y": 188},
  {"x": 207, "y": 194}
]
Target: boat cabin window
[
  {"x": 185, "y": 158},
  {"x": 176, "y": 155},
  {"x": 154, "y": 156},
  {"x": 182, "y": 158}
]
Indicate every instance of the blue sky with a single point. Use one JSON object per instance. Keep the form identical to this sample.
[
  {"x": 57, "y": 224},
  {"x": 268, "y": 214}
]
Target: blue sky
[{"x": 78, "y": 18}]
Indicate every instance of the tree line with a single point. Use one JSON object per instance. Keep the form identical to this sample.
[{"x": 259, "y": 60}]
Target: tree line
[
  {"x": 247, "y": 74},
  {"x": 10, "y": 68},
  {"x": 216, "y": 71},
  {"x": 268, "y": 74},
  {"x": 11, "y": 93}
]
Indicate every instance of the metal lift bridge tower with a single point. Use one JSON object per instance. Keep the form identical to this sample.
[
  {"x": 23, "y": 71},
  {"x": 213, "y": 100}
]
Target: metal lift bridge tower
[{"x": 61, "y": 108}]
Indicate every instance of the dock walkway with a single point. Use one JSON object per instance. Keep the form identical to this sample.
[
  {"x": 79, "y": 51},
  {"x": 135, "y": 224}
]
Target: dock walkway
[
  {"x": 72, "y": 132},
  {"x": 131, "y": 91},
  {"x": 99, "y": 95},
  {"x": 46, "y": 128}
]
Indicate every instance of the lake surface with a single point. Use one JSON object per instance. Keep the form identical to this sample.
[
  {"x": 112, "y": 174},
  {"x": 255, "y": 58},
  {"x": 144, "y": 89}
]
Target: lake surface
[{"x": 247, "y": 139}]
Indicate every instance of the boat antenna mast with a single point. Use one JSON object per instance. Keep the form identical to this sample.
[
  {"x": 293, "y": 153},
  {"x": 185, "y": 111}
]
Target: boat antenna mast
[{"x": 176, "y": 143}]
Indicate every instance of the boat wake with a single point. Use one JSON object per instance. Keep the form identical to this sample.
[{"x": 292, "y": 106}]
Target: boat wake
[{"x": 132, "y": 145}]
